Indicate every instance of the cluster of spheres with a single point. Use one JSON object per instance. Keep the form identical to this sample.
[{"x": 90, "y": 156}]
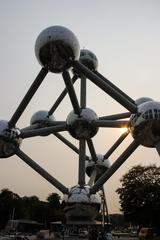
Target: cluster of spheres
[{"x": 58, "y": 50}]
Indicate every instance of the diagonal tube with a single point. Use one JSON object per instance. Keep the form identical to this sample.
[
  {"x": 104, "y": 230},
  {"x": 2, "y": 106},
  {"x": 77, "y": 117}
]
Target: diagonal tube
[
  {"x": 92, "y": 150},
  {"x": 116, "y": 144},
  {"x": 83, "y": 92},
  {"x": 55, "y": 123},
  {"x": 71, "y": 92},
  {"x": 114, "y": 86},
  {"x": 92, "y": 178},
  {"x": 43, "y": 131},
  {"x": 109, "y": 172},
  {"x": 105, "y": 203},
  {"x": 105, "y": 87},
  {"x": 35, "y": 85},
  {"x": 31, "y": 127},
  {"x": 61, "y": 97},
  {"x": 82, "y": 158},
  {"x": 110, "y": 123},
  {"x": 116, "y": 116},
  {"x": 69, "y": 144},
  {"x": 41, "y": 171},
  {"x": 158, "y": 148},
  {"x": 38, "y": 125}
]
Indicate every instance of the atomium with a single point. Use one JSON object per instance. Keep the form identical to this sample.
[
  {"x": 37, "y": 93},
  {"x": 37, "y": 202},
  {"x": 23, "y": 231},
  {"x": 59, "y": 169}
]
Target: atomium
[
  {"x": 9, "y": 140},
  {"x": 99, "y": 165},
  {"x": 88, "y": 59},
  {"x": 55, "y": 46},
  {"x": 143, "y": 100},
  {"x": 145, "y": 124},
  {"x": 42, "y": 118},
  {"x": 82, "y": 125},
  {"x": 57, "y": 50},
  {"x": 80, "y": 200}
]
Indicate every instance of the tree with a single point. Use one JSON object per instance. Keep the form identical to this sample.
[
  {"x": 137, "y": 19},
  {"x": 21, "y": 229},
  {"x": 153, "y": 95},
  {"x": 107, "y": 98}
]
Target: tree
[
  {"x": 54, "y": 200},
  {"x": 31, "y": 208},
  {"x": 9, "y": 203},
  {"x": 140, "y": 195},
  {"x": 117, "y": 221},
  {"x": 54, "y": 206}
]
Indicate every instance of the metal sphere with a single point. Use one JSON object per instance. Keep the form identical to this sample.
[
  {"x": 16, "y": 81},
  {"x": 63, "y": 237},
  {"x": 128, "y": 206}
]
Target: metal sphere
[
  {"x": 101, "y": 165},
  {"x": 55, "y": 47},
  {"x": 145, "y": 124},
  {"x": 80, "y": 204},
  {"x": 9, "y": 140},
  {"x": 89, "y": 59},
  {"x": 42, "y": 118},
  {"x": 82, "y": 127},
  {"x": 142, "y": 100}
]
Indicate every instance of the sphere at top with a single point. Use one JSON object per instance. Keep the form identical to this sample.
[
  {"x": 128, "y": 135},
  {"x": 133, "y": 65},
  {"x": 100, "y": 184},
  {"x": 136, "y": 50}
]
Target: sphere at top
[
  {"x": 42, "y": 118},
  {"x": 89, "y": 59},
  {"x": 82, "y": 127},
  {"x": 145, "y": 124},
  {"x": 9, "y": 140},
  {"x": 55, "y": 47}
]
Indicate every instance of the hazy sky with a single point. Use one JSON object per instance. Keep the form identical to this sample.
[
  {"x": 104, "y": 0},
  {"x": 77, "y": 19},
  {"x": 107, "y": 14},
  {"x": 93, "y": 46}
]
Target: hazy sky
[{"x": 124, "y": 35}]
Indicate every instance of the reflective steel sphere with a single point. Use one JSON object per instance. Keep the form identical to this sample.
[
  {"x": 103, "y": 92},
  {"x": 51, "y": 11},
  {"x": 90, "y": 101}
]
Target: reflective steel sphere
[
  {"x": 101, "y": 165},
  {"x": 80, "y": 204},
  {"x": 9, "y": 140},
  {"x": 42, "y": 118},
  {"x": 89, "y": 59},
  {"x": 142, "y": 100},
  {"x": 55, "y": 47},
  {"x": 82, "y": 127},
  {"x": 145, "y": 124}
]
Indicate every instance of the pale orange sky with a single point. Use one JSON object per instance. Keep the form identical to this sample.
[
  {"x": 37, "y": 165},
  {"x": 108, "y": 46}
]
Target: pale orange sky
[{"x": 125, "y": 37}]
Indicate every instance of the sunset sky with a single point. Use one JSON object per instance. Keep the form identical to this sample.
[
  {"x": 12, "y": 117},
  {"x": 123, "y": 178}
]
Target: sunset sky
[{"x": 125, "y": 37}]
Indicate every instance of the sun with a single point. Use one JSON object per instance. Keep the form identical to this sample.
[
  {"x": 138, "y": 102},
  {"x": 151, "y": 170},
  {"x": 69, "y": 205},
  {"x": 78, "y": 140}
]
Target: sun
[{"x": 124, "y": 130}]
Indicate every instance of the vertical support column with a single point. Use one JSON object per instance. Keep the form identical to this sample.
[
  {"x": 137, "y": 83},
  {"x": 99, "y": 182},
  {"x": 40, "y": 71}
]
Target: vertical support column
[
  {"x": 83, "y": 92},
  {"x": 82, "y": 158}
]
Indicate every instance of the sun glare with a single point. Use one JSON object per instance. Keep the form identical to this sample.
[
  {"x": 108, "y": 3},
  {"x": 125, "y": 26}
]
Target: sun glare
[{"x": 124, "y": 130}]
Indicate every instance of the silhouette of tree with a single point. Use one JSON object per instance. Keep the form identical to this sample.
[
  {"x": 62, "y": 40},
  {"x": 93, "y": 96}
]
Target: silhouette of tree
[
  {"x": 55, "y": 210},
  {"x": 31, "y": 208},
  {"x": 140, "y": 195},
  {"x": 9, "y": 201},
  {"x": 54, "y": 200}
]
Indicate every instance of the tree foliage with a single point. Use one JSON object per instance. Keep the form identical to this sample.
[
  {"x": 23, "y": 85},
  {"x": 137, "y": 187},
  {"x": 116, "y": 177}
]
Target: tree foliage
[
  {"x": 54, "y": 200},
  {"x": 140, "y": 195},
  {"x": 30, "y": 208}
]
